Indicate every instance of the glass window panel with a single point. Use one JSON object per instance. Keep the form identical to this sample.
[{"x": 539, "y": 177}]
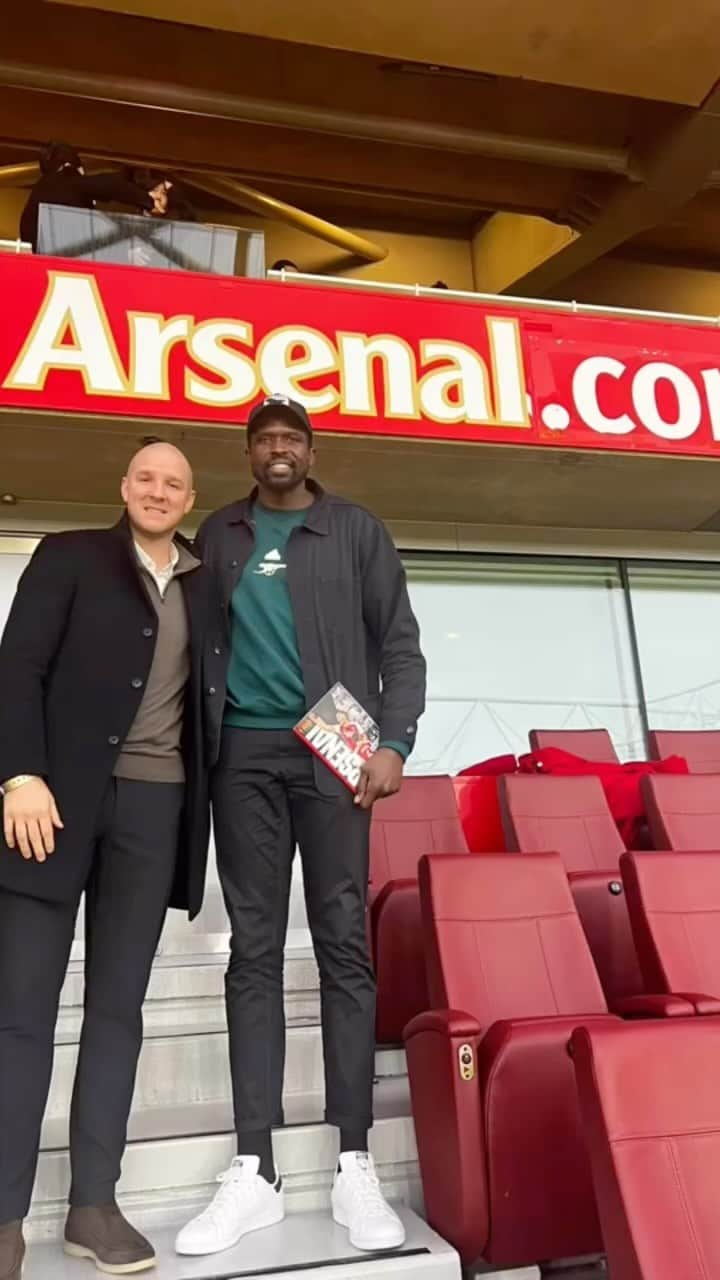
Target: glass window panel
[
  {"x": 15, "y": 555},
  {"x": 677, "y": 620},
  {"x": 515, "y": 645}
]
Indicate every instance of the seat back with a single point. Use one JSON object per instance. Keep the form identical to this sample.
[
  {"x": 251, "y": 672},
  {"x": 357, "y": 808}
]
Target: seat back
[
  {"x": 504, "y": 939},
  {"x": 651, "y": 1114},
  {"x": 589, "y": 744},
  {"x": 422, "y": 818},
  {"x": 568, "y": 815},
  {"x": 674, "y": 905},
  {"x": 700, "y": 747},
  {"x": 683, "y": 811}
]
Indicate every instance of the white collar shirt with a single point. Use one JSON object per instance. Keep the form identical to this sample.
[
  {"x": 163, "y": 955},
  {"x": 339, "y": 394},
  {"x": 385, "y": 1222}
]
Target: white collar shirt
[{"x": 161, "y": 577}]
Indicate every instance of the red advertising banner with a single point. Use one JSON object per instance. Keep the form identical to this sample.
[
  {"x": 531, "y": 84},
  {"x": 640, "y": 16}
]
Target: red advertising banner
[{"x": 135, "y": 342}]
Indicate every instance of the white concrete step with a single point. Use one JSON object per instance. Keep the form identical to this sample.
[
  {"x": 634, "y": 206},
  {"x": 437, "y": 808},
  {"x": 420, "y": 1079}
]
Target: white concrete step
[
  {"x": 309, "y": 1243},
  {"x": 209, "y": 932},
  {"x": 171, "y": 1179},
  {"x": 181, "y": 1070},
  {"x": 189, "y": 989},
  {"x": 391, "y": 1097},
  {"x": 183, "y": 1084},
  {"x": 179, "y": 932}
]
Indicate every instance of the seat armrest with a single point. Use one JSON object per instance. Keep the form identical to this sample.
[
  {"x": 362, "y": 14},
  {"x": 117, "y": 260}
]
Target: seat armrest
[
  {"x": 449, "y": 1127},
  {"x": 702, "y": 1004},
  {"x": 602, "y": 907},
  {"x": 656, "y": 1006},
  {"x": 378, "y": 898},
  {"x": 391, "y": 886},
  {"x": 398, "y": 946},
  {"x": 448, "y": 1022}
]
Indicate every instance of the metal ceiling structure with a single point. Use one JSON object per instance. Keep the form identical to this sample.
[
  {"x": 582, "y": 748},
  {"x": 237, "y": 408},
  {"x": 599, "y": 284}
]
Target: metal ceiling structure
[
  {"x": 655, "y": 49},
  {"x": 352, "y": 131},
  {"x": 677, "y": 165}
]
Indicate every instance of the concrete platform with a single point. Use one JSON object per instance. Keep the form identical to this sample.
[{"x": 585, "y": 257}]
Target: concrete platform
[
  {"x": 308, "y": 1244},
  {"x": 170, "y": 1178}
]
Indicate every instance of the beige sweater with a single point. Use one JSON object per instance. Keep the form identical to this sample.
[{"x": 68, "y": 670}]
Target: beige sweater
[{"x": 152, "y": 750}]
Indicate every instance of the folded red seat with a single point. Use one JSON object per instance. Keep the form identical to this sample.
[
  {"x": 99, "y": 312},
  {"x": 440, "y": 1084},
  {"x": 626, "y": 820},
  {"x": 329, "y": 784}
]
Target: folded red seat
[
  {"x": 589, "y": 744},
  {"x": 700, "y": 747},
  {"x": 570, "y": 816},
  {"x": 683, "y": 813},
  {"x": 674, "y": 905},
  {"x": 650, "y": 1106},
  {"x": 505, "y": 1172}
]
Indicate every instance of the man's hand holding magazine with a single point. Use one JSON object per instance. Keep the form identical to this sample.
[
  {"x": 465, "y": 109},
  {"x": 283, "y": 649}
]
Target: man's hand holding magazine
[
  {"x": 340, "y": 731},
  {"x": 380, "y": 776}
]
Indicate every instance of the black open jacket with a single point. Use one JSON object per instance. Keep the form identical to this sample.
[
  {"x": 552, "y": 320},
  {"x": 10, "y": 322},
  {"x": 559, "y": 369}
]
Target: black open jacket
[
  {"x": 74, "y": 658},
  {"x": 350, "y": 603}
]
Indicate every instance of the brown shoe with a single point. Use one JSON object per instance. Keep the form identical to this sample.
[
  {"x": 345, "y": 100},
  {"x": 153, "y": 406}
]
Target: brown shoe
[
  {"x": 12, "y": 1251},
  {"x": 106, "y": 1237}
]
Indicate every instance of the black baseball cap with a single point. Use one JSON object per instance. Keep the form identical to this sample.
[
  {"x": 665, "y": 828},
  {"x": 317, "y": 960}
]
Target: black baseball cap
[{"x": 277, "y": 406}]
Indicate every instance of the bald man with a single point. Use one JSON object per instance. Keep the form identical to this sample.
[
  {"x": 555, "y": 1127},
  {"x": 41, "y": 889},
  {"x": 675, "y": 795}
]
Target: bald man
[{"x": 105, "y": 746}]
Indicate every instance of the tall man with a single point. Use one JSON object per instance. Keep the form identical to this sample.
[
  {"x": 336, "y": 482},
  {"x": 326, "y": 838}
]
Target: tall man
[
  {"x": 315, "y": 593},
  {"x": 104, "y": 771}
]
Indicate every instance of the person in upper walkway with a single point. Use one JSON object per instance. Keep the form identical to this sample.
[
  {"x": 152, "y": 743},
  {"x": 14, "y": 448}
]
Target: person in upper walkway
[
  {"x": 169, "y": 199},
  {"x": 63, "y": 181}
]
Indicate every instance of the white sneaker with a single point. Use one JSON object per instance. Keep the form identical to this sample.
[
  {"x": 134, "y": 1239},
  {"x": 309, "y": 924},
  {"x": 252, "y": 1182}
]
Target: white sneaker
[
  {"x": 359, "y": 1204},
  {"x": 245, "y": 1202}
]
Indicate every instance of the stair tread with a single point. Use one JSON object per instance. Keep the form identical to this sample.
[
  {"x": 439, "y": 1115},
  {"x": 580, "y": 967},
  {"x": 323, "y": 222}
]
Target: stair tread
[
  {"x": 303, "y": 1241},
  {"x": 190, "y": 955},
  {"x": 387, "y": 1053},
  {"x": 159, "y": 1031},
  {"x": 187, "y": 1120},
  {"x": 184, "y": 1167}
]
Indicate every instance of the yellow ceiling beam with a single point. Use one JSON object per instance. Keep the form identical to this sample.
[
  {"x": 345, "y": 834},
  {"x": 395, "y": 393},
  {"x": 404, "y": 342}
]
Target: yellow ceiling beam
[
  {"x": 509, "y": 245},
  {"x": 19, "y": 175},
  {"x": 678, "y": 164},
  {"x": 270, "y": 207}
]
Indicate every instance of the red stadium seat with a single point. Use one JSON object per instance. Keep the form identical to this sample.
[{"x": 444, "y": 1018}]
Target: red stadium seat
[
  {"x": 422, "y": 818},
  {"x": 589, "y": 744},
  {"x": 570, "y": 816},
  {"x": 479, "y": 812},
  {"x": 504, "y": 1170},
  {"x": 650, "y": 1107},
  {"x": 700, "y": 747},
  {"x": 674, "y": 904},
  {"x": 683, "y": 812}
]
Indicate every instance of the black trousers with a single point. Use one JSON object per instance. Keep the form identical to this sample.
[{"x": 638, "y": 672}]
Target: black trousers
[
  {"x": 125, "y": 904},
  {"x": 264, "y": 802}
]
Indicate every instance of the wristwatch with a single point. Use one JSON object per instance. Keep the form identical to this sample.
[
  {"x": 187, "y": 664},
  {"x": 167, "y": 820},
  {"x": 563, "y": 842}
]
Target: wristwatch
[{"x": 12, "y": 784}]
